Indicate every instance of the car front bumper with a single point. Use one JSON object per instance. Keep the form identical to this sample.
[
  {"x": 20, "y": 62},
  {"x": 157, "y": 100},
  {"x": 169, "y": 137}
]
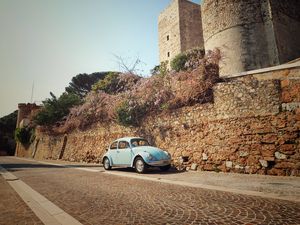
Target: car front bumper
[{"x": 159, "y": 162}]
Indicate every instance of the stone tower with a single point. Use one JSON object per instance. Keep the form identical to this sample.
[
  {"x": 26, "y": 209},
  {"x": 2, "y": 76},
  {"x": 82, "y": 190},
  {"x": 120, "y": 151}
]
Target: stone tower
[
  {"x": 252, "y": 34},
  {"x": 179, "y": 28},
  {"x": 24, "y": 112}
]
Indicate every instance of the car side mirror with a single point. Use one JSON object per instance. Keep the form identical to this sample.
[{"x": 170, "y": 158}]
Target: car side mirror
[{"x": 106, "y": 149}]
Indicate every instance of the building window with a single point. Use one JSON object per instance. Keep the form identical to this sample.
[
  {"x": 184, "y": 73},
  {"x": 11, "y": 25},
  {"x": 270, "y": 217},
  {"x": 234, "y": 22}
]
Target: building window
[
  {"x": 168, "y": 54},
  {"x": 168, "y": 37}
]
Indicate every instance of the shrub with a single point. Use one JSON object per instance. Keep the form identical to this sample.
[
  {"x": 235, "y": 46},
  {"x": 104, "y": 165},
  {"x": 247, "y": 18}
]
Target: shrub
[
  {"x": 55, "y": 109},
  {"x": 188, "y": 60},
  {"x": 160, "y": 70},
  {"x": 178, "y": 63},
  {"x": 24, "y": 135},
  {"x": 129, "y": 113},
  {"x": 135, "y": 97},
  {"x": 115, "y": 83},
  {"x": 107, "y": 84}
]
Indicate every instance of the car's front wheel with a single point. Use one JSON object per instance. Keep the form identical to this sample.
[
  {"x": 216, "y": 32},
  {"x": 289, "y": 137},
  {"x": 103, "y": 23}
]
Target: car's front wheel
[
  {"x": 165, "y": 168},
  {"x": 106, "y": 164},
  {"x": 139, "y": 165}
]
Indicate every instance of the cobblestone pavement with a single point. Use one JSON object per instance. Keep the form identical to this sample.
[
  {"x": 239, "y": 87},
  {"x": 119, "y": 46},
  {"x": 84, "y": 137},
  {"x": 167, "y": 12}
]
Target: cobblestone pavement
[
  {"x": 12, "y": 208},
  {"x": 99, "y": 198}
]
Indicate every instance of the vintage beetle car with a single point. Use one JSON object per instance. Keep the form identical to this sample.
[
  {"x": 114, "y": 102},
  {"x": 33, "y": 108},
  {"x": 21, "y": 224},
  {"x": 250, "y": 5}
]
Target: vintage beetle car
[{"x": 135, "y": 152}]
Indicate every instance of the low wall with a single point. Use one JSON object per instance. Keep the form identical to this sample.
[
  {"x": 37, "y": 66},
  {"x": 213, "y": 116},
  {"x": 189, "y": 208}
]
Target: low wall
[{"x": 253, "y": 126}]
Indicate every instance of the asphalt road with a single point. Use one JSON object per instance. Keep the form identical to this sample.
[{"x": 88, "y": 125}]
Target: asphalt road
[{"x": 100, "y": 198}]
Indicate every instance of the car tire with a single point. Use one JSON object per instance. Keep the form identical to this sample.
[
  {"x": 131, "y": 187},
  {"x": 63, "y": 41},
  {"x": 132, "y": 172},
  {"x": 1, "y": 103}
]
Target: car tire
[
  {"x": 139, "y": 165},
  {"x": 106, "y": 164},
  {"x": 165, "y": 168}
]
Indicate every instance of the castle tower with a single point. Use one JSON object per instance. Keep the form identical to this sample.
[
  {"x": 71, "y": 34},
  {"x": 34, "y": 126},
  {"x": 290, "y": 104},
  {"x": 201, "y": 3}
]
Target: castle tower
[
  {"x": 24, "y": 112},
  {"x": 179, "y": 28},
  {"x": 252, "y": 34}
]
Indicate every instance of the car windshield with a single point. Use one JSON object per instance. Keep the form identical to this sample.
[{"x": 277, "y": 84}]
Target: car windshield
[{"x": 139, "y": 142}]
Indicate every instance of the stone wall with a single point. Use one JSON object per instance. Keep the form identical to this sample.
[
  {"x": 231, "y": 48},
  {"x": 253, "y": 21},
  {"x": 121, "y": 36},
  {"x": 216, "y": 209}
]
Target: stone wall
[
  {"x": 179, "y": 28},
  {"x": 253, "y": 126}
]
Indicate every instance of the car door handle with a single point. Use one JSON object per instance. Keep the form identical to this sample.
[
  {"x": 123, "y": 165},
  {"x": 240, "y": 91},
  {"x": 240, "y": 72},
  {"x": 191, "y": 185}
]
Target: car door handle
[{"x": 118, "y": 151}]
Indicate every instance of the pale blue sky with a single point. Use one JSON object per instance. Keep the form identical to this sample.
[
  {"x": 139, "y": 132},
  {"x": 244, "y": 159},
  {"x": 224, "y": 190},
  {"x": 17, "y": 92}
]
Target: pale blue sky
[{"x": 50, "y": 41}]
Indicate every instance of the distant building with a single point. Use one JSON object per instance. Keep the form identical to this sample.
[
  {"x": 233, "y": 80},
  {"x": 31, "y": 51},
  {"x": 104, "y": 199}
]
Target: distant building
[{"x": 179, "y": 28}]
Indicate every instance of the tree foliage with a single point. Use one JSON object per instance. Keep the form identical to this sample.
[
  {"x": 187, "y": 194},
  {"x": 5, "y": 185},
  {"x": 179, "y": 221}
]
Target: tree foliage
[
  {"x": 24, "y": 135},
  {"x": 178, "y": 62},
  {"x": 56, "y": 108},
  {"x": 160, "y": 70},
  {"x": 7, "y": 128},
  {"x": 82, "y": 83},
  {"x": 108, "y": 84},
  {"x": 8, "y": 123},
  {"x": 115, "y": 83}
]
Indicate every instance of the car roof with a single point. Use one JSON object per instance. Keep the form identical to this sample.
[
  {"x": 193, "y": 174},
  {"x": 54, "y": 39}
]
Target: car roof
[{"x": 128, "y": 138}]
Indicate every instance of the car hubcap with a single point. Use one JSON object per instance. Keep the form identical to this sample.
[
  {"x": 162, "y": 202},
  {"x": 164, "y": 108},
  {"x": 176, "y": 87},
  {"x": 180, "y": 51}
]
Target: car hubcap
[
  {"x": 139, "y": 165},
  {"x": 106, "y": 163}
]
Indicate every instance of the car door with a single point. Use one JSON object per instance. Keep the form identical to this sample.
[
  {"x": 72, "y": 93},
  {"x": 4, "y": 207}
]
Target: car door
[
  {"x": 113, "y": 152},
  {"x": 124, "y": 153}
]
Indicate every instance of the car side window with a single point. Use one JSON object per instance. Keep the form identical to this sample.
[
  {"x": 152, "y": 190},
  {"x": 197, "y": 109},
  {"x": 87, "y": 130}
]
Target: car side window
[
  {"x": 114, "y": 145},
  {"x": 123, "y": 145}
]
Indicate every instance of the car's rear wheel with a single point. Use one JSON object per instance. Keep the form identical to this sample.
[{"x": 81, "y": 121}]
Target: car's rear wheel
[
  {"x": 139, "y": 165},
  {"x": 165, "y": 168},
  {"x": 106, "y": 164}
]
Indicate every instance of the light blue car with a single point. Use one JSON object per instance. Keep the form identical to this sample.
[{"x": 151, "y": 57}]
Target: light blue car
[{"x": 135, "y": 152}]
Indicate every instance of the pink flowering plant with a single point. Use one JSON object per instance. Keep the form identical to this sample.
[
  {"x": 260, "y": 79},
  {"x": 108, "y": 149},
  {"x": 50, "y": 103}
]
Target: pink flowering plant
[{"x": 127, "y": 98}]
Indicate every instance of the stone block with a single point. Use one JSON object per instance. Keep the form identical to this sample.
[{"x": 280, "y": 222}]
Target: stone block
[
  {"x": 263, "y": 163},
  {"x": 194, "y": 166},
  {"x": 238, "y": 167},
  {"x": 228, "y": 164},
  {"x": 204, "y": 157},
  {"x": 208, "y": 167},
  {"x": 244, "y": 154},
  {"x": 285, "y": 83},
  {"x": 268, "y": 150},
  {"x": 269, "y": 138},
  {"x": 279, "y": 155},
  {"x": 285, "y": 165},
  {"x": 288, "y": 149}
]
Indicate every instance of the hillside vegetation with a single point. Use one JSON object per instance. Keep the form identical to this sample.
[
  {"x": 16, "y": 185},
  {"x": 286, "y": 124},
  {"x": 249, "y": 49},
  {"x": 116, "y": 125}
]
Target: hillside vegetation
[{"x": 126, "y": 98}]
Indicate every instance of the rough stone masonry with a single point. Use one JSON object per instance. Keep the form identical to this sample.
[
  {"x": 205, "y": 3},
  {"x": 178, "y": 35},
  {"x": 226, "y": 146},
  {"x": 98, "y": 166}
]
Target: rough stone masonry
[
  {"x": 250, "y": 34},
  {"x": 252, "y": 126}
]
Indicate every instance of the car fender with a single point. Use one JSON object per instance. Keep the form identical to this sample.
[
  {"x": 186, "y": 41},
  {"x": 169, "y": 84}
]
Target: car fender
[
  {"x": 109, "y": 157},
  {"x": 140, "y": 154}
]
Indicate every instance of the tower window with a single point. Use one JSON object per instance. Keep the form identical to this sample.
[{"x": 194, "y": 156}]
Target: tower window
[
  {"x": 168, "y": 37},
  {"x": 168, "y": 54}
]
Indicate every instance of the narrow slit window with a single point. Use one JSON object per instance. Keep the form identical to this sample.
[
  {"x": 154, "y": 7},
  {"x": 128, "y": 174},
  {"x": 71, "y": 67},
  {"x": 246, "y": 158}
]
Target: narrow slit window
[
  {"x": 168, "y": 37},
  {"x": 168, "y": 54}
]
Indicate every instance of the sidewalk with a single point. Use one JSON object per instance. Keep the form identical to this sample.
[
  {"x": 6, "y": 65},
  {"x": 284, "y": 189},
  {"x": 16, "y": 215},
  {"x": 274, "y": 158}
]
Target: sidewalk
[
  {"x": 285, "y": 188},
  {"x": 13, "y": 209}
]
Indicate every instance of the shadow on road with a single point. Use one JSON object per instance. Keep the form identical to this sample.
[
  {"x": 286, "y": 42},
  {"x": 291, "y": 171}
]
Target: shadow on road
[
  {"x": 19, "y": 166},
  {"x": 151, "y": 170}
]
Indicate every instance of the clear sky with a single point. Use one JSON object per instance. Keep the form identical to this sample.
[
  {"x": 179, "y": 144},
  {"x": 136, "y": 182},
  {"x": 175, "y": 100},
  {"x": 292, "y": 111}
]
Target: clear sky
[{"x": 50, "y": 41}]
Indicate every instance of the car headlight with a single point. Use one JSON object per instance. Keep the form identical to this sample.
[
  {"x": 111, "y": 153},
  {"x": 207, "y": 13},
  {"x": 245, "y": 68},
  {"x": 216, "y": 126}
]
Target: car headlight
[
  {"x": 168, "y": 154},
  {"x": 150, "y": 157}
]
